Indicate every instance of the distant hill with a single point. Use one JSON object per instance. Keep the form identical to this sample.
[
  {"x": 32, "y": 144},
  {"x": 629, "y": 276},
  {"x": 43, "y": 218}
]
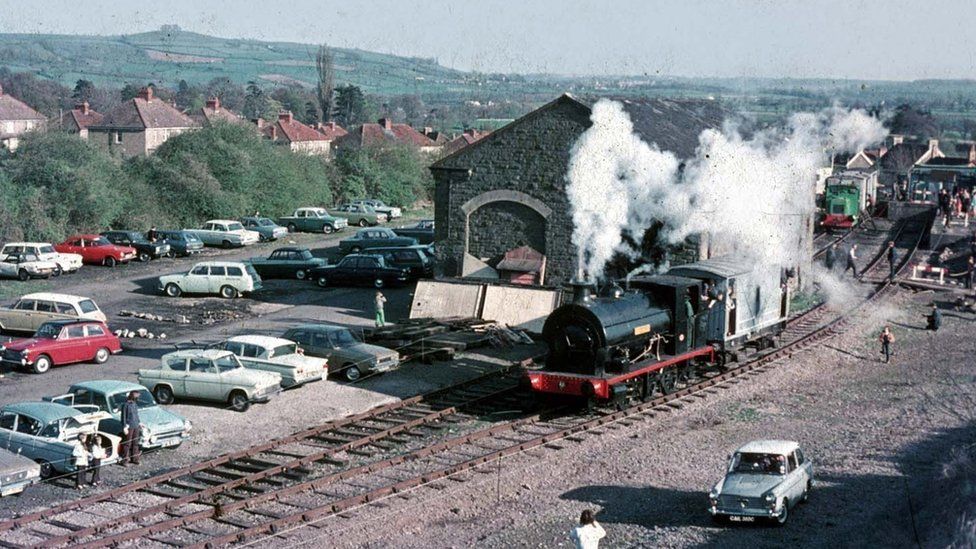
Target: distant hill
[{"x": 170, "y": 55}]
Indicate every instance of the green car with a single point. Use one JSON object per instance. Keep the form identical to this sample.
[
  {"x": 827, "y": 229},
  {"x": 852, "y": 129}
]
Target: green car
[
  {"x": 378, "y": 237},
  {"x": 312, "y": 220},
  {"x": 347, "y": 355},
  {"x": 287, "y": 263},
  {"x": 359, "y": 214}
]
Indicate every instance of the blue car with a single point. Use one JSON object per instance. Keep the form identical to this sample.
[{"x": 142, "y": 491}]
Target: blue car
[
  {"x": 47, "y": 433},
  {"x": 161, "y": 428},
  {"x": 268, "y": 229},
  {"x": 181, "y": 243}
]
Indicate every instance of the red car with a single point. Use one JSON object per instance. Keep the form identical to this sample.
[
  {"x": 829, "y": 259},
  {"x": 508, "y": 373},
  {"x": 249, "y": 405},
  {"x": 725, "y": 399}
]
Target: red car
[
  {"x": 62, "y": 342},
  {"x": 96, "y": 250}
]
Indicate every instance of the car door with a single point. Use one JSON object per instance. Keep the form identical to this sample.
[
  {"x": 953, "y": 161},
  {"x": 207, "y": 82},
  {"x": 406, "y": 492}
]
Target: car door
[
  {"x": 46, "y": 310},
  {"x": 197, "y": 280},
  {"x": 799, "y": 480},
  {"x": 369, "y": 270},
  {"x": 23, "y": 319},
  {"x": 202, "y": 380},
  {"x": 96, "y": 338},
  {"x": 344, "y": 271},
  {"x": 23, "y": 439},
  {"x": 8, "y": 426},
  {"x": 273, "y": 266},
  {"x": 72, "y": 345},
  {"x": 217, "y": 278}
]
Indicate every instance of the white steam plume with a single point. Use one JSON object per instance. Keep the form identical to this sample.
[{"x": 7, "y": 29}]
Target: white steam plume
[{"x": 752, "y": 196}]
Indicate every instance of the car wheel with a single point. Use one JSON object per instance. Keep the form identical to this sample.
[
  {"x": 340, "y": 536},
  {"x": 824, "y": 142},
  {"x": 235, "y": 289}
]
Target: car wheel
[
  {"x": 228, "y": 292},
  {"x": 322, "y": 282},
  {"x": 41, "y": 365},
  {"x": 351, "y": 372},
  {"x": 173, "y": 290},
  {"x": 363, "y": 223},
  {"x": 327, "y": 229},
  {"x": 292, "y": 228},
  {"x": 110, "y": 261},
  {"x": 300, "y": 274},
  {"x": 163, "y": 394},
  {"x": 171, "y": 254},
  {"x": 378, "y": 283},
  {"x": 23, "y": 275},
  {"x": 239, "y": 401},
  {"x": 783, "y": 515},
  {"x": 226, "y": 244},
  {"x": 101, "y": 355},
  {"x": 57, "y": 271},
  {"x": 144, "y": 257},
  {"x": 47, "y": 470}
]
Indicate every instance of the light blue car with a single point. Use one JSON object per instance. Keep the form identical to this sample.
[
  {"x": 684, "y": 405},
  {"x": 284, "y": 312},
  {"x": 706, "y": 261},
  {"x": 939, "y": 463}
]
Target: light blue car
[
  {"x": 161, "y": 428},
  {"x": 47, "y": 433}
]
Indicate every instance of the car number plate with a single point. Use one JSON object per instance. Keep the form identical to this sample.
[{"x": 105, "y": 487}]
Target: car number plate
[
  {"x": 736, "y": 518},
  {"x": 170, "y": 442}
]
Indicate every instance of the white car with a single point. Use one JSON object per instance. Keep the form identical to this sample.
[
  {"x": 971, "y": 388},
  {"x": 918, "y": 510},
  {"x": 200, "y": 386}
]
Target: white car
[
  {"x": 67, "y": 263},
  {"x": 225, "y": 233},
  {"x": 229, "y": 279},
  {"x": 274, "y": 354},
  {"x": 24, "y": 266},
  {"x": 765, "y": 479}
]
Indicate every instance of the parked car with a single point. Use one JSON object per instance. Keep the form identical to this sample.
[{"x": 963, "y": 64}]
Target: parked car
[
  {"x": 359, "y": 214},
  {"x": 287, "y": 263},
  {"x": 60, "y": 342},
  {"x": 145, "y": 250},
  {"x": 226, "y": 234},
  {"x": 348, "y": 356},
  {"x": 67, "y": 263},
  {"x": 24, "y": 266},
  {"x": 273, "y": 354},
  {"x": 209, "y": 374},
  {"x": 765, "y": 479},
  {"x": 313, "y": 220},
  {"x": 162, "y": 428},
  {"x": 417, "y": 259},
  {"x": 365, "y": 239},
  {"x": 16, "y": 472},
  {"x": 32, "y": 310},
  {"x": 226, "y": 278},
  {"x": 96, "y": 250},
  {"x": 266, "y": 228},
  {"x": 47, "y": 433},
  {"x": 181, "y": 243},
  {"x": 358, "y": 269},
  {"x": 379, "y": 206},
  {"x": 422, "y": 230}
]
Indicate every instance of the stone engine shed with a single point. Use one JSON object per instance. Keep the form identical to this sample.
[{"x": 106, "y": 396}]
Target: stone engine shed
[{"x": 509, "y": 189}]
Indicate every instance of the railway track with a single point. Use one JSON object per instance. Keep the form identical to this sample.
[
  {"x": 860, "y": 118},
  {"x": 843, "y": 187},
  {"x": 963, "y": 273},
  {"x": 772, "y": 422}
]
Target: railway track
[{"x": 327, "y": 470}]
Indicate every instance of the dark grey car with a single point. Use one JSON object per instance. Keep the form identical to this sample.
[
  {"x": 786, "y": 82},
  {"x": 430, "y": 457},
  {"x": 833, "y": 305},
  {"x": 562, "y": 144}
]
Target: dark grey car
[{"x": 347, "y": 355}]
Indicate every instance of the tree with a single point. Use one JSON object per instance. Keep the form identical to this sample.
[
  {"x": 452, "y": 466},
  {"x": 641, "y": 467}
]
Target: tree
[
  {"x": 231, "y": 94},
  {"x": 256, "y": 103},
  {"x": 325, "y": 63},
  {"x": 84, "y": 91},
  {"x": 186, "y": 94},
  {"x": 350, "y": 105},
  {"x": 129, "y": 91},
  {"x": 312, "y": 113},
  {"x": 909, "y": 120}
]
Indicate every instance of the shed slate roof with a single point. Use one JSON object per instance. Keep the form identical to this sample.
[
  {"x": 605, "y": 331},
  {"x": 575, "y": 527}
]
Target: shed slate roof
[
  {"x": 82, "y": 116},
  {"x": 374, "y": 134},
  {"x": 12, "y": 108},
  {"x": 332, "y": 130},
  {"x": 903, "y": 156},
  {"x": 213, "y": 111}
]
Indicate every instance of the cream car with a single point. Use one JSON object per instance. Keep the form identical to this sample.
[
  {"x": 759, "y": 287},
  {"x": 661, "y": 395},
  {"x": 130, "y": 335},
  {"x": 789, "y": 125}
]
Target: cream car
[
  {"x": 24, "y": 266},
  {"x": 32, "y": 310},
  {"x": 274, "y": 354},
  {"x": 229, "y": 279},
  {"x": 67, "y": 263},
  {"x": 226, "y": 234}
]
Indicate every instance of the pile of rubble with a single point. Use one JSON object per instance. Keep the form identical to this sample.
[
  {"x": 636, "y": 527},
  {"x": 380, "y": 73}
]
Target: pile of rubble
[
  {"x": 141, "y": 332},
  {"x": 178, "y": 319}
]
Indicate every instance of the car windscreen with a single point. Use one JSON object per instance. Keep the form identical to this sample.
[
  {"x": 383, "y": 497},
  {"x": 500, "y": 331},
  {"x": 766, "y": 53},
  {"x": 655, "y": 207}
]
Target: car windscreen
[
  {"x": 235, "y": 227},
  {"x": 145, "y": 400},
  {"x": 283, "y": 350},
  {"x": 47, "y": 249},
  {"x": 48, "y": 331},
  {"x": 227, "y": 363},
  {"x": 190, "y": 237},
  {"x": 87, "y": 306},
  {"x": 265, "y": 222},
  {"x": 758, "y": 463}
]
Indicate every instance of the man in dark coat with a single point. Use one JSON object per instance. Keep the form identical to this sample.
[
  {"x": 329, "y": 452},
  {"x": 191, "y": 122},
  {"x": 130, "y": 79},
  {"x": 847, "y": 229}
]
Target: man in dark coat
[
  {"x": 935, "y": 319},
  {"x": 131, "y": 430},
  {"x": 830, "y": 257},
  {"x": 970, "y": 272},
  {"x": 891, "y": 260}
]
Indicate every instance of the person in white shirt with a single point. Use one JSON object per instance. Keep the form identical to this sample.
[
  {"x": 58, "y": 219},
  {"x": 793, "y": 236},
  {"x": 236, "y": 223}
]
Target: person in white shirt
[{"x": 589, "y": 533}]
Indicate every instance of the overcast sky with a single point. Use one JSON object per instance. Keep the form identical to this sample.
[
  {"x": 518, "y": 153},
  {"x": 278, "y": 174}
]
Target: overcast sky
[{"x": 876, "y": 39}]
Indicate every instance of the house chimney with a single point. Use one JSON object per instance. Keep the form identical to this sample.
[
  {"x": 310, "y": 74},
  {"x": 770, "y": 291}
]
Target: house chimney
[
  {"x": 213, "y": 104},
  {"x": 274, "y": 132},
  {"x": 897, "y": 139},
  {"x": 285, "y": 116},
  {"x": 146, "y": 93},
  {"x": 259, "y": 122},
  {"x": 933, "y": 146},
  {"x": 469, "y": 131},
  {"x": 882, "y": 150},
  {"x": 386, "y": 123},
  {"x": 428, "y": 131},
  {"x": 83, "y": 107},
  {"x": 972, "y": 153}
]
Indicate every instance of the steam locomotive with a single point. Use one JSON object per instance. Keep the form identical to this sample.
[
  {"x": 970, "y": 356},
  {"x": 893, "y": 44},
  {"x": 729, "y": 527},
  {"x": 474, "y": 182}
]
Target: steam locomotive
[{"x": 643, "y": 338}]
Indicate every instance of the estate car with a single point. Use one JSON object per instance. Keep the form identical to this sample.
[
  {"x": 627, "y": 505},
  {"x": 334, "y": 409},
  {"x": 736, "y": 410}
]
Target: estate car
[
  {"x": 225, "y": 278},
  {"x": 32, "y": 310}
]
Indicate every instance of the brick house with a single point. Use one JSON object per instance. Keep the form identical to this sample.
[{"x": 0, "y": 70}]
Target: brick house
[
  {"x": 16, "y": 119},
  {"x": 297, "y": 136},
  {"x": 507, "y": 190},
  {"x": 80, "y": 118},
  {"x": 212, "y": 111},
  {"x": 468, "y": 137},
  {"x": 139, "y": 126},
  {"x": 386, "y": 132},
  {"x": 331, "y": 130}
]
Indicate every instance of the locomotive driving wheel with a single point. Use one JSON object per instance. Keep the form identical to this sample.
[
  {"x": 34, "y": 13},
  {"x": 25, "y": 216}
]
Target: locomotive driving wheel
[{"x": 666, "y": 381}]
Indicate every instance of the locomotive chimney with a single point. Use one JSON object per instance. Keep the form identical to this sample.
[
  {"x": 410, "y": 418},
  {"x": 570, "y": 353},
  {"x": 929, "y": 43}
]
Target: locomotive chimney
[{"x": 582, "y": 289}]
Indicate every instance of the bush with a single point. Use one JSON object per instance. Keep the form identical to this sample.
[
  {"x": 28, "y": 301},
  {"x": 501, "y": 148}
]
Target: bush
[{"x": 396, "y": 175}]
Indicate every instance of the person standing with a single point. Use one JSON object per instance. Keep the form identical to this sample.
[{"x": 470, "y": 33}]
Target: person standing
[
  {"x": 153, "y": 234},
  {"x": 589, "y": 532},
  {"x": 97, "y": 453},
  {"x": 970, "y": 272},
  {"x": 891, "y": 260},
  {"x": 830, "y": 257},
  {"x": 851, "y": 258},
  {"x": 935, "y": 319},
  {"x": 886, "y": 339},
  {"x": 967, "y": 203},
  {"x": 380, "y": 313},
  {"x": 80, "y": 455},
  {"x": 131, "y": 430}
]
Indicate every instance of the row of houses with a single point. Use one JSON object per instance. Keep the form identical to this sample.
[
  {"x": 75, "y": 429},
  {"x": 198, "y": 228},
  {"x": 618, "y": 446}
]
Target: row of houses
[{"x": 139, "y": 126}]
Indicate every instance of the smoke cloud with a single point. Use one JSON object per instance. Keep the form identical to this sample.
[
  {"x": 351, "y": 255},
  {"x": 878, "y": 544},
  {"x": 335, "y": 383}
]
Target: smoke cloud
[{"x": 753, "y": 196}]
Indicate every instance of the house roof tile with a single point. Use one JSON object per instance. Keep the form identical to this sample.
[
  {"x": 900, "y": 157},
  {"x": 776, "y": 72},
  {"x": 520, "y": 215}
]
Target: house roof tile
[{"x": 12, "y": 108}]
